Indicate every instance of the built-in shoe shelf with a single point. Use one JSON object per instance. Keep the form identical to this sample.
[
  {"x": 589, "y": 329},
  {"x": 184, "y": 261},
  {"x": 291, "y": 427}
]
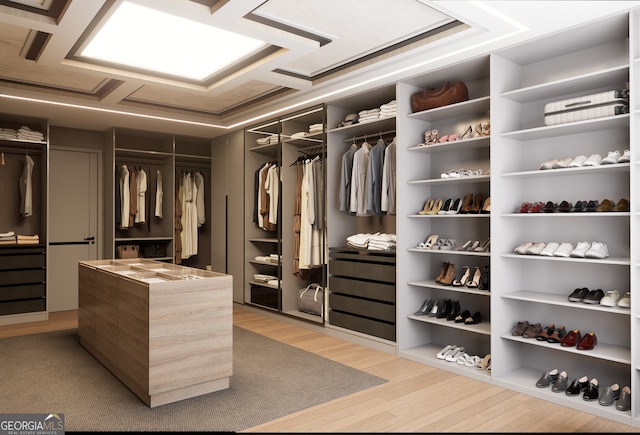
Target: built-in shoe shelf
[{"x": 584, "y": 61}]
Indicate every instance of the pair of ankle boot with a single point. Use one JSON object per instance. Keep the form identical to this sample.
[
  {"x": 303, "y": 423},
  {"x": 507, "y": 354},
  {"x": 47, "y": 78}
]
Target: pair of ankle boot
[{"x": 447, "y": 273}]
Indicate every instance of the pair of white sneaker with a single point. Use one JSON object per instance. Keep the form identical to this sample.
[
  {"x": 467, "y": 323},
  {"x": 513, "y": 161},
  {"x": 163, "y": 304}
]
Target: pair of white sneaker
[
  {"x": 551, "y": 249},
  {"x": 613, "y": 157},
  {"x": 565, "y": 249},
  {"x": 590, "y": 250}
]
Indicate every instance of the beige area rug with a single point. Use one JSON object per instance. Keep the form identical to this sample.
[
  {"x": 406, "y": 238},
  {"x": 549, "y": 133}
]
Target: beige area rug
[{"x": 52, "y": 373}]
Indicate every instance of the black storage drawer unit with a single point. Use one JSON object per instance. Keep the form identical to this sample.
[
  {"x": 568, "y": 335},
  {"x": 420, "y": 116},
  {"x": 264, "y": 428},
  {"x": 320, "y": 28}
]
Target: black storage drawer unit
[
  {"x": 22, "y": 279},
  {"x": 362, "y": 291},
  {"x": 23, "y": 260},
  {"x": 265, "y": 296}
]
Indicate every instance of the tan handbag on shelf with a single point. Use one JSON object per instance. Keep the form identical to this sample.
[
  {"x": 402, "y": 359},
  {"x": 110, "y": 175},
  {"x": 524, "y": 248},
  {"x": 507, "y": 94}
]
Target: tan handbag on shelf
[
  {"x": 431, "y": 98},
  {"x": 128, "y": 251}
]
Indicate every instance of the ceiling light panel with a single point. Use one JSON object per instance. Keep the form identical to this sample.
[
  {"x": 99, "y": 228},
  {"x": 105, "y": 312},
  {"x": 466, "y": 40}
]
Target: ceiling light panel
[{"x": 139, "y": 37}]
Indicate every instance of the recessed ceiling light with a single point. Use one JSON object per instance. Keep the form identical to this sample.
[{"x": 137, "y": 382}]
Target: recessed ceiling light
[{"x": 145, "y": 38}]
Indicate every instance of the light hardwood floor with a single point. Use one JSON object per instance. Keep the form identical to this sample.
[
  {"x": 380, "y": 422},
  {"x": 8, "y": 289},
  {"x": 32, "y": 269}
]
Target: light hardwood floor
[{"x": 417, "y": 398}]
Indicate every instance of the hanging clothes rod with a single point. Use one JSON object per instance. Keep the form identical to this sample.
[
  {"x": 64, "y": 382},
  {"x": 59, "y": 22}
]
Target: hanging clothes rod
[
  {"x": 312, "y": 149},
  {"x": 370, "y": 136}
]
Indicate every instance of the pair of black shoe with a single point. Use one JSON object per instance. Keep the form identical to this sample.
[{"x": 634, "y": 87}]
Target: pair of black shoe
[
  {"x": 589, "y": 388},
  {"x": 449, "y": 309},
  {"x": 587, "y": 296},
  {"x": 439, "y": 308}
]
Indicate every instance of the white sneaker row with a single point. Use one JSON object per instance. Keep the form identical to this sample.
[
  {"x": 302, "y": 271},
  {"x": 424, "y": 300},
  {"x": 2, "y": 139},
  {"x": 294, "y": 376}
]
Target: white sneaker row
[
  {"x": 565, "y": 249},
  {"x": 454, "y": 353},
  {"x": 613, "y": 157},
  {"x": 459, "y": 173}
]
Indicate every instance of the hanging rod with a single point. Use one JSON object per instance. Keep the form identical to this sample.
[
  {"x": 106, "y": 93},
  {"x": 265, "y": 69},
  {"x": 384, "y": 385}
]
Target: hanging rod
[
  {"x": 312, "y": 149},
  {"x": 365, "y": 136}
]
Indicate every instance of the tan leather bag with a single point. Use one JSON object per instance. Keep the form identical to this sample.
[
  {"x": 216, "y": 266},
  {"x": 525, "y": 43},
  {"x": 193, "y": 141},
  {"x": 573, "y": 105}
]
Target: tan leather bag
[
  {"x": 431, "y": 98},
  {"x": 128, "y": 251}
]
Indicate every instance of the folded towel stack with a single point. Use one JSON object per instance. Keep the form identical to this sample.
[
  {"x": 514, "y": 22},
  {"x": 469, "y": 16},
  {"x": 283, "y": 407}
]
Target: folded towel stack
[
  {"x": 368, "y": 115},
  {"x": 8, "y": 238},
  {"x": 25, "y": 133},
  {"x": 316, "y": 128},
  {"x": 388, "y": 110},
  {"x": 8, "y": 133}
]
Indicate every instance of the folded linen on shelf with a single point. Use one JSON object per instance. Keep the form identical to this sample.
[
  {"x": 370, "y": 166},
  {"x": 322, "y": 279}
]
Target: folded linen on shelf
[
  {"x": 7, "y": 234},
  {"x": 382, "y": 242},
  {"x": 27, "y": 240},
  {"x": 316, "y": 128},
  {"x": 26, "y": 133},
  {"x": 8, "y": 133},
  {"x": 360, "y": 240},
  {"x": 259, "y": 277},
  {"x": 377, "y": 241}
]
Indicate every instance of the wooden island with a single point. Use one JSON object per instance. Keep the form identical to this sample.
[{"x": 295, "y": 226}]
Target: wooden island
[{"x": 165, "y": 331}]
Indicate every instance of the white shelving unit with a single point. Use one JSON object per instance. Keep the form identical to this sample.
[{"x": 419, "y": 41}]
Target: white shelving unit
[
  {"x": 420, "y": 338},
  {"x": 581, "y": 61},
  {"x": 634, "y": 109}
]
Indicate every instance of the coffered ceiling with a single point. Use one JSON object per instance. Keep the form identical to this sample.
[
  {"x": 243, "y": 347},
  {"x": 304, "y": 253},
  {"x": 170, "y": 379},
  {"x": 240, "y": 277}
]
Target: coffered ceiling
[{"x": 315, "y": 51}]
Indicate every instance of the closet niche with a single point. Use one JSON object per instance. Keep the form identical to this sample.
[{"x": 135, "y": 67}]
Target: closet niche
[
  {"x": 361, "y": 300},
  {"x": 166, "y": 164},
  {"x": 23, "y": 222},
  {"x": 285, "y": 224}
]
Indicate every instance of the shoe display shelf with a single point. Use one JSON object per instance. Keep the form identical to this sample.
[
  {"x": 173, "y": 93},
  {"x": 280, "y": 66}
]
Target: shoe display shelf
[
  {"x": 635, "y": 214},
  {"x": 577, "y": 62},
  {"x": 340, "y": 224},
  {"x": 421, "y": 337}
]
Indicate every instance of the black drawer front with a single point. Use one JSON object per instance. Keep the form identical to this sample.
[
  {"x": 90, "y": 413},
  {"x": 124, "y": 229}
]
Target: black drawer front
[
  {"x": 17, "y": 307},
  {"x": 362, "y": 307},
  {"x": 22, "y": 261},
  {"x": 366, "y": 326},
  {"x": 31, "y": 291},
  {"x": 13, "y": 277},
  {"x": 364, "y": 289},
  {"x": 265, "y": 296},
  {"x": 363, "y": 270}
]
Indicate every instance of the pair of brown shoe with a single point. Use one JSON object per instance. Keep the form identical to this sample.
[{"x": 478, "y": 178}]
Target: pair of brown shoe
[
  {"x": 552, "y": 334},
  {"x": 608, "y": 205},
  {"x": 447, "y": 273}
]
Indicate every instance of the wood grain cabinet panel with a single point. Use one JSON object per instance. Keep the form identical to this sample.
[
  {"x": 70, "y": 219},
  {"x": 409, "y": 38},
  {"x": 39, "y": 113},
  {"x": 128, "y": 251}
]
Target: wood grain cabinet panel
[{"x": 165, "y": 331}]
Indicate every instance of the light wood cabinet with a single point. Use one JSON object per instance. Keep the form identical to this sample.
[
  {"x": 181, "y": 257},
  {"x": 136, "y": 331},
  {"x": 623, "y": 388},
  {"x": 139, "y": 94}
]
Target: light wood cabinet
[{"x": 164, "y": 330}]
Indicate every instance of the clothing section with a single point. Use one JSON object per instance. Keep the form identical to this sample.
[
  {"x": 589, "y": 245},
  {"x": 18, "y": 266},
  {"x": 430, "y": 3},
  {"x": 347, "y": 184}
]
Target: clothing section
[
  {"x": 367, "y": 179},
  {"x": 190, "y": 213},
  {"x": 266, "y": 196},
  {"x": 161, "y": 200},
  {"x": 308, "y": 221}
]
